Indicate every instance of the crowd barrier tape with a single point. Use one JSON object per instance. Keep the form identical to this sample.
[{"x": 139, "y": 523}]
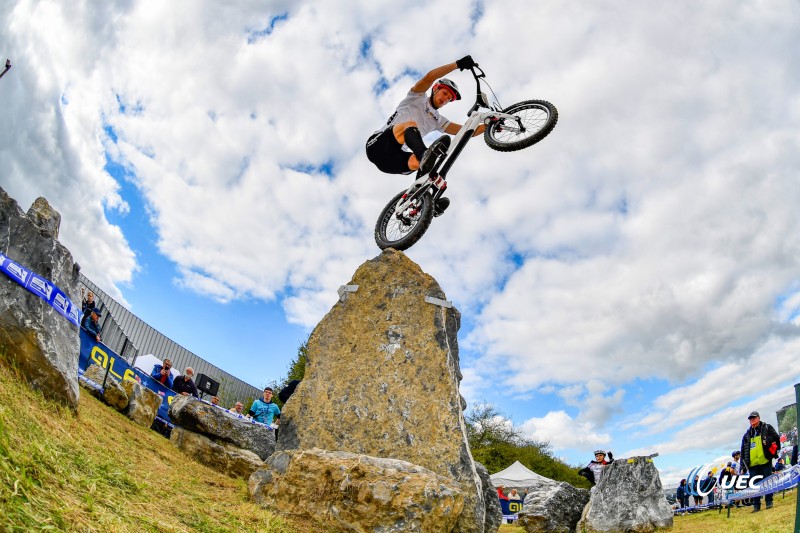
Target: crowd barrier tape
[
  {"x": 783, "y": 480},
  {"x": 41, "y": 287}
]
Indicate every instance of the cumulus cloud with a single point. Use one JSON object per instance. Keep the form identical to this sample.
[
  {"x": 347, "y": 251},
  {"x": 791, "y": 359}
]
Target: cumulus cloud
[
  {"x": 653, "y": 234},
  {"x": 563, "y": 431}
]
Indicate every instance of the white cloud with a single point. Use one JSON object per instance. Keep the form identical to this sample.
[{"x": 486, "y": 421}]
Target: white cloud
[
  {"x": 653, "y": 234},
  {"x": 722, "y": 429},
  {"x": 563, "y": 431}
]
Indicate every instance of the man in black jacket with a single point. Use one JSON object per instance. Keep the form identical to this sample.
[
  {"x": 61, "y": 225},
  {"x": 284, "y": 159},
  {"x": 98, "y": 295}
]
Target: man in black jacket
[{"x": 760, "y": 445}]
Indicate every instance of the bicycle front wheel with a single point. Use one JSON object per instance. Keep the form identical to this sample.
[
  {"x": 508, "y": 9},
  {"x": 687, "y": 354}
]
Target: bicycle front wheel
[
  {"x": 538, "y": 119},
  {"x": 402, "y": 230}
]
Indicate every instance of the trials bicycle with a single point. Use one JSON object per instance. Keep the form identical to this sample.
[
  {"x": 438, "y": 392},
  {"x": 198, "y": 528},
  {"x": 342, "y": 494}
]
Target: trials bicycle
[{"x": 407, "y": 217}]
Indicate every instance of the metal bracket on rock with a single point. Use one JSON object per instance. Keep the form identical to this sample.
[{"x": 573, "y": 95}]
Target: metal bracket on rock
[
  {"x": 649, "y": 458},
  {"x": 438, "y": 301},
  {"x": 346, "y": 288}
]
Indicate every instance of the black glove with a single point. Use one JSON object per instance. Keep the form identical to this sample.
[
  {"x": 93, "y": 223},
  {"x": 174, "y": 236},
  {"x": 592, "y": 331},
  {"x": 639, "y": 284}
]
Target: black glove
[
  {"x": 465, "y": 63},
  {"x": 610, "y": 457}
]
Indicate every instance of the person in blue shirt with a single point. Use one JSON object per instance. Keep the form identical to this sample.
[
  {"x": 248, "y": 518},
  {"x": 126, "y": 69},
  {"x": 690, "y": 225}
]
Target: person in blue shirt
[
  {"x": 265, "y": 411},
  {"x": 163, "y": 373}
]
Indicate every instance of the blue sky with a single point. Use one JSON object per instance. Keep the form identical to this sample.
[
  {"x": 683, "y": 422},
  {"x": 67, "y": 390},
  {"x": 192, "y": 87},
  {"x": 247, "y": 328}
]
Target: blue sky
[{"x": 619, "y": 283}]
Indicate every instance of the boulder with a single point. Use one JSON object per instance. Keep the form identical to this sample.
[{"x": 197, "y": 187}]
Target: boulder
[
  {"x": 222, "y": 457},
  {"x": 143, "y": 403},
  {"x": 43, "y": 216},
  {"x": 222, "y": 427},
  {"x": 381, "y": 379},
  {"x": 357, "y": 493},
  {"x": 629, "y": 497},
  {"x": 552, "y": 506},
  {"x": 494, "y": 513},
  {"x": 113, "y": 393},
  {"x": 38, "y": 339}
]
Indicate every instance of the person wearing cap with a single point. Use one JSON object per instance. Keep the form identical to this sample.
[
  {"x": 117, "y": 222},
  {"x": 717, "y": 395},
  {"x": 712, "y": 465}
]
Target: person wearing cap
[
  {"x": 263, "y": 410},
  {"x": 184, "y": 385},
  {"x": 594, "y": 470},
  {"x": 760, "y": 445},
  {"x": 415, "y": 117},
  {"x": 92, "y": 325}
]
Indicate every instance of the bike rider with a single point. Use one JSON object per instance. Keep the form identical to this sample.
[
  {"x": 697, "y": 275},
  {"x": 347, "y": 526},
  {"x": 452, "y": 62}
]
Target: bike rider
[{"x": 415, "y": 117}]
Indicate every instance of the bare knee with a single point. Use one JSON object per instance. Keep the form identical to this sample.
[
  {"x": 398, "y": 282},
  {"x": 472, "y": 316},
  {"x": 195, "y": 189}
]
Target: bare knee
[{"x": 399, "y": 130}]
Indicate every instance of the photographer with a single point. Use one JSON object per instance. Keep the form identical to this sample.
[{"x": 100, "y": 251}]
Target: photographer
[{"x": 163, "y": 373}]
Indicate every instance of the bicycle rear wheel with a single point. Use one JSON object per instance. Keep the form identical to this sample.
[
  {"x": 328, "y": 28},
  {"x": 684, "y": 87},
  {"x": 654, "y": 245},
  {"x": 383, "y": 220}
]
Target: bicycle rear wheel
[
  {"x": 538, "y": 120},
  {"x": 402, "y": 230}
]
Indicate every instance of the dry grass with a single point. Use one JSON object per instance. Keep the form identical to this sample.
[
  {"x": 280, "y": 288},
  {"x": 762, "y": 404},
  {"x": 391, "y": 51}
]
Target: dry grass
[
  {"x": 98, "y": 471},
  {"x": 779, "y": 519}
]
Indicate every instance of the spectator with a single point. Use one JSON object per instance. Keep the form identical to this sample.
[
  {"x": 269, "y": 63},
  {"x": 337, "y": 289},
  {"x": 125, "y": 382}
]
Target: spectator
[
  {"x": 698, "y": 499},
  {"x": 163, "y": 373},
  {"x": 237, "y": 409},
  {"x": 264, "y": 410},
  {"x": 780, "y": 465},
  {"x": 594, "y": 469},
  {"x": 793, "y": 460},
  {"x": 682, "y": 495},
  {"x": 760, "y": 445},
  {"x": 87, "y": 305},
  {"x": 737, "y": 463},
  {"x": 707, "y": 485},
  {"x": 514, "y": 495},
  {"x": 500, "y": 493},
  {"x": 184, "y": 385},
  {"x": 93, "y": 326},
  {"x": 215, "y": 400}
]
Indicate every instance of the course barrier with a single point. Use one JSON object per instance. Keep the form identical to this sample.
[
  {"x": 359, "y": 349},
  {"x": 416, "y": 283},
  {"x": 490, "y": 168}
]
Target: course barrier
[{"x": 41, "y": 287}]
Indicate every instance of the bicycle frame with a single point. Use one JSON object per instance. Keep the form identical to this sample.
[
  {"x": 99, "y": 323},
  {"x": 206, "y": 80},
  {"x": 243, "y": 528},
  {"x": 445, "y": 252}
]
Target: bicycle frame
[{"x": 436, "y": 178}]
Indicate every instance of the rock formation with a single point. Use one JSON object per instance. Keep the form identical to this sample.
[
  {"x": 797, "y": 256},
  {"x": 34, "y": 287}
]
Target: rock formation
[
  {"x": 381, "y": 380},
  {"x": 36, "y": 338},
  {"x": 552, "y": 506},
  {"x": 143, "y": 403},
  {"x": 113, "y": 394},
  {"x": 357, "y": 493},
  {"x": 629, "y": 497},
  {"x": 223, "y": 432},
  {"x": 221, "y": 456}
]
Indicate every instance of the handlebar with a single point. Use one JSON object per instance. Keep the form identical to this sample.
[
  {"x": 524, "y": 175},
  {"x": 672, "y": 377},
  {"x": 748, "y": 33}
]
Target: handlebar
[{"x": 480, "y": 73}]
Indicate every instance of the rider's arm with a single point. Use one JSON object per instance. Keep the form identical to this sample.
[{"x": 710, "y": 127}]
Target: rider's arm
[
  {"x": 453, "y": 128},
  {"x": 427, "y": 81}
]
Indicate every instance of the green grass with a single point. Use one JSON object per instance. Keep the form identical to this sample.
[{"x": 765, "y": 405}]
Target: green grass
[
  {"x": 779, "y": 519},
  {"x": 95, "y": 470}
]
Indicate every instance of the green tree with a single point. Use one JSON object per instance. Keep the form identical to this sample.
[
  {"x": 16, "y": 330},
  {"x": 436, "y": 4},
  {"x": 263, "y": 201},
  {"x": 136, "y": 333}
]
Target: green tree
[
  {"x": 496, "y": 443},
  {"x": 787, "y": 419}
]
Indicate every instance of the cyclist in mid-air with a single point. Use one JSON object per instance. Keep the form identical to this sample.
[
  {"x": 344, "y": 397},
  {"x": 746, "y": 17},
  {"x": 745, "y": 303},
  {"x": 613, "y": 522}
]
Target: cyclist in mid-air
[{"x": 416, "y": 116}]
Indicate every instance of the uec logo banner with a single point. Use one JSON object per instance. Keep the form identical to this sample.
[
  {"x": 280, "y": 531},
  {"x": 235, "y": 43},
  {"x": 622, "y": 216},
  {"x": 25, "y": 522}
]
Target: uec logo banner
[
  {"x": 93, "y": 352},
  {"x": 41, "y": 287}
]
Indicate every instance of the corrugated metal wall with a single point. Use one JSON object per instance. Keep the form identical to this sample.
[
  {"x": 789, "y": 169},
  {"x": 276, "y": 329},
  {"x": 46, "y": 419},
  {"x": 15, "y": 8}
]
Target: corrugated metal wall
[{"x": 130, "y": 336}]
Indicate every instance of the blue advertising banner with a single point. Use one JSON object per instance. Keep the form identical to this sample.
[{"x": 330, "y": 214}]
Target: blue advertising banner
[
  {"x": 510, "y": 508},
  {"x": 41, "y": 287},
  {"x": 93, "y": 352}
]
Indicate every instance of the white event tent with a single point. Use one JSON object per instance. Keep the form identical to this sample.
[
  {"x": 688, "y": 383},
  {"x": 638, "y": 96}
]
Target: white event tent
[{"x": 516, "y": 476}]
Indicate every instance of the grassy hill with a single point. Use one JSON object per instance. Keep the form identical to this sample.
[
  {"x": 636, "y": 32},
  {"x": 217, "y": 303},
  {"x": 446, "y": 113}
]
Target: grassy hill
[{"x": 98, "y": 471}]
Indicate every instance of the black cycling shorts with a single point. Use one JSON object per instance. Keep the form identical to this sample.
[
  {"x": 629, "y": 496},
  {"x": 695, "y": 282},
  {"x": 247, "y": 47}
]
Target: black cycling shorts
[{"x": 387, "y": 154}]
